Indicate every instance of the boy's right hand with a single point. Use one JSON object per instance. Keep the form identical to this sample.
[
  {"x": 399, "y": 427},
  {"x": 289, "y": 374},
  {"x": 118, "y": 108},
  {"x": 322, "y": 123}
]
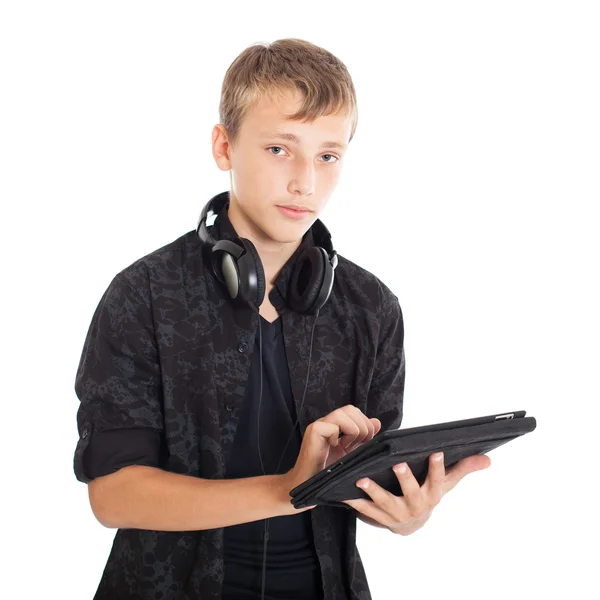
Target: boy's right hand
[{"x": 322, "y": 446}]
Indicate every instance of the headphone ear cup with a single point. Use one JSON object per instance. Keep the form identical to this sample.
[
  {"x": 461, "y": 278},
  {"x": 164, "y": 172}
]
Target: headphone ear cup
[
  {"x": 252, "y": 275},
  {"x": 308, "y": 276},
  {"x": 225, "y": 267}
]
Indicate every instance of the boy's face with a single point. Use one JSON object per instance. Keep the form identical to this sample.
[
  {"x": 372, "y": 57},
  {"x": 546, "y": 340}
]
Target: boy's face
[{"x": 269, "y": 173}]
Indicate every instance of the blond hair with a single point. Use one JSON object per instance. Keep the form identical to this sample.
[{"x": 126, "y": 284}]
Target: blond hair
[{"x": 275, "y": 68}]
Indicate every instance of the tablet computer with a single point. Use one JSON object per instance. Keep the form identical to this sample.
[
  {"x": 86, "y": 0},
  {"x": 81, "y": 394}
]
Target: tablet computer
[{"x": 375, "y": 458}]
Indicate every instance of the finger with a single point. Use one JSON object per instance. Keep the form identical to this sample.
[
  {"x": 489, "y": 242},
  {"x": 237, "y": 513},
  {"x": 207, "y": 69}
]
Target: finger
[
  {"x": 376, "y": 425},
  {"x": 347, "y": 425},
  {"x": 362, "y": 423},
  {"x": 433, "y": 488},
  {"x": 463, "y": 467},
  {"x": 326, "y": 432},
  {"x": 413, "y": 495},
  {"x": 366, "y": 427},
  {"x": 316, "y": 447},
  {"x": 393, "y": 506},
  {"x": 368, "y": 430}
]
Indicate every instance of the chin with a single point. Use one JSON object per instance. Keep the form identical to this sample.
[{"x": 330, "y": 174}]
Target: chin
[{"x": 286, "y": 233}]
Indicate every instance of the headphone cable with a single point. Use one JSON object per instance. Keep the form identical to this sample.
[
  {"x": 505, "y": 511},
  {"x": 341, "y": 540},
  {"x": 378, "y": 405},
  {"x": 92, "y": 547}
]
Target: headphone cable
[{"x": 267, "y": 521}]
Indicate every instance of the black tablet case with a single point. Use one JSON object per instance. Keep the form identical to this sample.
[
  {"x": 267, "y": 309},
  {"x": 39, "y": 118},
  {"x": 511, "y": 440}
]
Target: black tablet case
[{"x": 375, "y": 458}]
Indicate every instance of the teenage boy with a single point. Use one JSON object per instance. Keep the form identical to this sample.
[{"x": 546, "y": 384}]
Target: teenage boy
[{"x": 203, "y": 357}]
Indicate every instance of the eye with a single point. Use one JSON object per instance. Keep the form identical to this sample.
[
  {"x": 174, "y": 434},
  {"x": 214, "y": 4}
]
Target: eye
[{"x": 278, "y": 148}]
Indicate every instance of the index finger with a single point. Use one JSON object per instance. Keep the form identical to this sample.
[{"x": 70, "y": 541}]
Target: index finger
[
  {"x": 364, "y": 425},
  {"x": 372, "y": 426},
  {"x": 349, "y": 429}
]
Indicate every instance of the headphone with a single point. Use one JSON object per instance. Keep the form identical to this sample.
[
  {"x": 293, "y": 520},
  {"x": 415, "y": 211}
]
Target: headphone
[{"x": 237, "y": 265}]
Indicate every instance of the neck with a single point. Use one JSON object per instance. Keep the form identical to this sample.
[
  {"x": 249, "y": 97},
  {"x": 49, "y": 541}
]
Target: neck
[{"x": 273, "y": 254}]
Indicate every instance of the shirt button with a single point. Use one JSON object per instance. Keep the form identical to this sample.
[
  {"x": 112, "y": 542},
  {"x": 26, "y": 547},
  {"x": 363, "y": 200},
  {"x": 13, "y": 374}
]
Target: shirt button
[
  {"x": 229, "y": 407},
  {"x": 84, "y": 433},
  {"x": 243, "y": 347}
]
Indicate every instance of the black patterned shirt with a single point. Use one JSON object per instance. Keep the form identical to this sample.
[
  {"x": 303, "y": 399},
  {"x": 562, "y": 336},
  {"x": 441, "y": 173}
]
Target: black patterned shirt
[{"x": 167, "y": 353}]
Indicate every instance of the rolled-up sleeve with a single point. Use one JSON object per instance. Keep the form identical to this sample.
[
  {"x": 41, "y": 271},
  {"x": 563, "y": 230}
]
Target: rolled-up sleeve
[
  {"x": 118, "y": 383},
  {"x": 386, "y": 392}
]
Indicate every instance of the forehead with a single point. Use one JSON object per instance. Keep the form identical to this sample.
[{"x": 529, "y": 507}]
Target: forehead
[{"x": 267, "y": 117}]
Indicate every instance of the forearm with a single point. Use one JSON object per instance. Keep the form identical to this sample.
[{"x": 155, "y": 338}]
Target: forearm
[{"x": 140, "y": 497}]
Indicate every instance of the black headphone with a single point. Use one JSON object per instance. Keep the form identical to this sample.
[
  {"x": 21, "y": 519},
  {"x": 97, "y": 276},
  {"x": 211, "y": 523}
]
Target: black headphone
[{"x": 240, "y": 268}]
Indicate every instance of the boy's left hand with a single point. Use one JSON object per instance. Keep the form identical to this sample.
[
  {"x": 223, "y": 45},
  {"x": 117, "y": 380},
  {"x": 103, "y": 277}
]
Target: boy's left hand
[{"x": 405, "y": 514}]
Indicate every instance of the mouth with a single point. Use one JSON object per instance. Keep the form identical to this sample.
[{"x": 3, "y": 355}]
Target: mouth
[{"x": 294, "y": 211}]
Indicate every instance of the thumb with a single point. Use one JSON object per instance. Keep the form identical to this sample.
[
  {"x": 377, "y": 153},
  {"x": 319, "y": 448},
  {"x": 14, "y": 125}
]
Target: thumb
[
  {"x": 325, "y": 434},
  {"x": 463, "y": 467},
  {"x": 322, "y": 437}
]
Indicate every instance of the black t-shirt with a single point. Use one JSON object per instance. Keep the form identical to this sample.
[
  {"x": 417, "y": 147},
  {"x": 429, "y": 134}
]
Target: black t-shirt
[{"x": 292, "y": 567}]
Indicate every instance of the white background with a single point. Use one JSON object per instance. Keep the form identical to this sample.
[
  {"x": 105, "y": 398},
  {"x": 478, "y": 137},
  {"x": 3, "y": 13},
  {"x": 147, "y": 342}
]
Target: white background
[{"x": 471, "y": 188}]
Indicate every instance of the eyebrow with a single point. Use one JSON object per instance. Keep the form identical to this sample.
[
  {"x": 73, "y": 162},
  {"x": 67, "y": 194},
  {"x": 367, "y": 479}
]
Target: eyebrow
[{"x": 294, "y": 138}]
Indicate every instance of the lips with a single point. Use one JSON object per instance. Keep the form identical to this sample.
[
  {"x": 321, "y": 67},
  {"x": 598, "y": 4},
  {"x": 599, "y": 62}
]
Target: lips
[
  {"x": 296, "y": 207},
  {"x": 292, "y": 211}
]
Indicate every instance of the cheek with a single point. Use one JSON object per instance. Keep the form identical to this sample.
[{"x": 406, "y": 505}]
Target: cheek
[
  {"x": 333, "y": 174},
  {"x": 251, "y": 176},
  {"x": 262, "y": 171}
]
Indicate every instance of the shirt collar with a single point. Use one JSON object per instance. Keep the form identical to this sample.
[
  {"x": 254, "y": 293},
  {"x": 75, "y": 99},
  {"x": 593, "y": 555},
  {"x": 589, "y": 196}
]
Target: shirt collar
[{"x": 225, "y": 230}]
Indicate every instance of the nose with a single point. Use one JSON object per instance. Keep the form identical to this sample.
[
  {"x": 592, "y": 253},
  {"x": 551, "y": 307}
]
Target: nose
[{"x": 303, "y": 182}]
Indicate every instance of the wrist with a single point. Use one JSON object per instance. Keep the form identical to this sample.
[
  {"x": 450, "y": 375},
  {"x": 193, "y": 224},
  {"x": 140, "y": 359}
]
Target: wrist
[{"x": 279, "y": 492}]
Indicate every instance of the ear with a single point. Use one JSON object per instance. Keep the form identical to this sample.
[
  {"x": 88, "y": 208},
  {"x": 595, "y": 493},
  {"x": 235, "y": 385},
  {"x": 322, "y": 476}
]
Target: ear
[{"x": 220, "y": 147}]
